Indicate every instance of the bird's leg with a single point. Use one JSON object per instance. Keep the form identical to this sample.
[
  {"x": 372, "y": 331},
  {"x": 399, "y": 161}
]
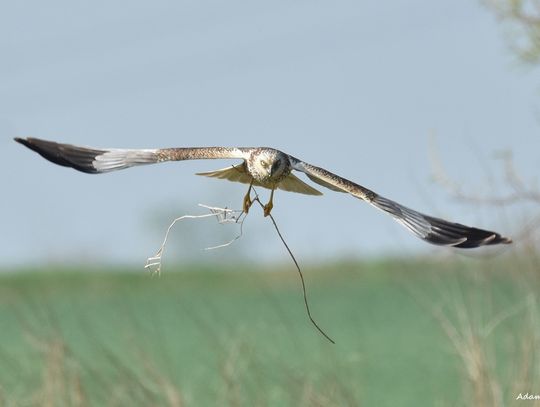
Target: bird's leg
[
  {"x": 268, "y": 207},
  {"x": 247, "y": 199}
]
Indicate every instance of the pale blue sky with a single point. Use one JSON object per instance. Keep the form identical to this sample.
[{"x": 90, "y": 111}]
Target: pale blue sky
[{"x": 356, "y": 87}]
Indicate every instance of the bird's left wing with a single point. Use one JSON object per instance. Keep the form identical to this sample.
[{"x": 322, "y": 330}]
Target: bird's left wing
[
  {"x": 96, "y": 160},
  {"x": 433, "y": 230}
]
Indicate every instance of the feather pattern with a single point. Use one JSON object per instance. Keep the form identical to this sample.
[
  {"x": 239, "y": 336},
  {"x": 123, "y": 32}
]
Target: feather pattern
[
  {"x": 238, "y": 173},
  {"x": 269, "y": 168},
  {"x": 433, "y": 230}
]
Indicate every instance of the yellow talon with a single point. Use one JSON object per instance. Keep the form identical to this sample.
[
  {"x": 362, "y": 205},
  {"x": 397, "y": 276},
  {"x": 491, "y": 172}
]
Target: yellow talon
[
  {"x": 247, "y": 203},
  {"x": 268, "y": 207},
  {"x": 247, "y": 200}
]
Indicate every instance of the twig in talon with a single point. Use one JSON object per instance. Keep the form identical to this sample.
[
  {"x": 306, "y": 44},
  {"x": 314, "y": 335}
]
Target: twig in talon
[
  {"x": 306, "y": 303},
  {"x": 234, "y": 239},
  {"x": 223, "y": 215}
]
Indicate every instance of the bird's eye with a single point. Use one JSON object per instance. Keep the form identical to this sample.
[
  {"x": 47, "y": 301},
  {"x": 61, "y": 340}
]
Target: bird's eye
[{"x": 264, "y": 164}]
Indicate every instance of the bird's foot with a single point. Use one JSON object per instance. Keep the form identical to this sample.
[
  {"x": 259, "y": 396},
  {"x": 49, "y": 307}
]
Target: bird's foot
[
  {"x": 247, "y": 203},
  {"x": 268, "y": 208}
]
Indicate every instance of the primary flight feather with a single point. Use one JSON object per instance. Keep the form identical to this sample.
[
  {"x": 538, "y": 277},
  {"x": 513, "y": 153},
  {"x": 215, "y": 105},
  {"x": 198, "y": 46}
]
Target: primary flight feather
[{"x": 268, "y": 168}]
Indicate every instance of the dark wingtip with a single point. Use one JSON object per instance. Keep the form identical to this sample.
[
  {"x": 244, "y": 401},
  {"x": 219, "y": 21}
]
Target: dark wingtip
[
  {"x": 505, "y": 240},
  {"x": 79, "y": 158},
  {"x": 461, "y": 236},
  {"x": 22, "y": 141},
  {"x": 478, "y": 237},
  {"x": 439, "y": 231},
  {"x": 30, "y": 143}
]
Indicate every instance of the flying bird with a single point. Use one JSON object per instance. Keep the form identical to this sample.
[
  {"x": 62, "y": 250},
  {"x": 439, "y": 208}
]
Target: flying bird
[{"x": 269, "y": 168}]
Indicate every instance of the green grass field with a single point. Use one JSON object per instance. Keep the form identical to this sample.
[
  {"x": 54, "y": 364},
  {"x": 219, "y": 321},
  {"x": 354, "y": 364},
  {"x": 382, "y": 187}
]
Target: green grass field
[{"x": 216, "y": 336}]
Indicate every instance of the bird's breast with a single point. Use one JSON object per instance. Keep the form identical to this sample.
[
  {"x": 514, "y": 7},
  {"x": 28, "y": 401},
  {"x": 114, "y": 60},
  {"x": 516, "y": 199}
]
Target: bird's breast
[{"x": 267, "y": 180}]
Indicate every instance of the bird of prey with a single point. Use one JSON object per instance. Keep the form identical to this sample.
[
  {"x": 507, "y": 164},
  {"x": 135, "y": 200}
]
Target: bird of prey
[{"x": 268, "y": 168}]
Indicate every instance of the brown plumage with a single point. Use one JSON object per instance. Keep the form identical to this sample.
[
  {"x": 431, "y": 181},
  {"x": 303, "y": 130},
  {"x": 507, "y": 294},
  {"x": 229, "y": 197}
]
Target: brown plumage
[{"x": 269, "y": 168}]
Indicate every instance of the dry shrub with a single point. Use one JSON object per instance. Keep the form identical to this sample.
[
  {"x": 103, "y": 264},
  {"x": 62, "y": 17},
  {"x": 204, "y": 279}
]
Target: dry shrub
[{"x": 497, "y": 341}]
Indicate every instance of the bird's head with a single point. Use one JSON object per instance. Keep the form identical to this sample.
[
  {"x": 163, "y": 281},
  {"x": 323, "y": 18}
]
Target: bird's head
[{"x": 270, "y": 164}]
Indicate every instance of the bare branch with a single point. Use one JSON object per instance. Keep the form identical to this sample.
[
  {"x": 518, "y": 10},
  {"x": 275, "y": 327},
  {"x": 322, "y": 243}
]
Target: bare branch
[
  {"x": 523, "y": 16},
  {"x": 521, "y": 191},
  {"x": 299, "y": 273},
  {"x": 223, "y": 216}
]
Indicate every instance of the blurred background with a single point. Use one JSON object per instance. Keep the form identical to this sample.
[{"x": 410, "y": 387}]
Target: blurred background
[
  {"x": 355, "y": 87},
  {"x": 433, "y": 105}
]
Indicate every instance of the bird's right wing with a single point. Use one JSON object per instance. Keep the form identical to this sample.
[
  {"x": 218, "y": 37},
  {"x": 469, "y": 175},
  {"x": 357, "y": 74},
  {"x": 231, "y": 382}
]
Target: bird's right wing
[{"x": 95, "y": 160}]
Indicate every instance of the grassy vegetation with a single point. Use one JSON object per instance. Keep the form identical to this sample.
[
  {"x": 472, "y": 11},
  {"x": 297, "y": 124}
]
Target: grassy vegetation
[{"x": 409, "y": 333}]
